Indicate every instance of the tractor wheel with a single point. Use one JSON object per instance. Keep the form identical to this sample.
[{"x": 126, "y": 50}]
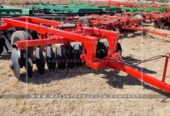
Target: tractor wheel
[
  {"x": 84, "y": 21},
  {"x": 138, "y": 15},
  {"x": 21, "y": 58}
]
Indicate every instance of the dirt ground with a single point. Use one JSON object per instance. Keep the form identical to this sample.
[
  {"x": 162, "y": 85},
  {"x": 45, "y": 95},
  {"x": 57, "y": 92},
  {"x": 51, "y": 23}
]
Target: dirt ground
[{"x": 82, "y": 80}]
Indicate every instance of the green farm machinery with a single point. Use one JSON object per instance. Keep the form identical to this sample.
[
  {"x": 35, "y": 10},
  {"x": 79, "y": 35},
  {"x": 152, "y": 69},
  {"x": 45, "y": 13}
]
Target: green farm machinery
[
  {"x": 78, "y": 9},
  {"x": 9, "y": 11}
]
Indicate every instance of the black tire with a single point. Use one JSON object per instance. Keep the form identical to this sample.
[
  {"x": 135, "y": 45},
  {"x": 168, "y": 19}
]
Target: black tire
[{"x": 85, "y": 21}]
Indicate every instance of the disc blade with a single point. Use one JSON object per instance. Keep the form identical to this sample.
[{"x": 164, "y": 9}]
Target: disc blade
[
  {"x": 15, "y": 62},
  {"x": 40, "y": 62},
  {"x": 50, "y": 57}
]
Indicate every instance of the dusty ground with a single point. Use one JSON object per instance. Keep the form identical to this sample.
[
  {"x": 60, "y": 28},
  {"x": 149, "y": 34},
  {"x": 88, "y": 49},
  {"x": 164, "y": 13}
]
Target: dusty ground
[{"x": 86, "y": 81}]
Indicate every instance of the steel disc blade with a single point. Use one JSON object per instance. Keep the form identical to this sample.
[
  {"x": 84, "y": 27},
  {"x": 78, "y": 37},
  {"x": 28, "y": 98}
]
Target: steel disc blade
[
  {"x": 2, "y": 44},
  {"x": 101, "y": 51},
  {"x": 77, "y": 51},
  {"x": 14, "y": 62},
  {"x": 50, "y": 57},
  {"x": 40, "y": 62},
  {"x": 69, "y": 52},
  {"x": 29, "y": 67},
  {"x": 61, "y": 56}
]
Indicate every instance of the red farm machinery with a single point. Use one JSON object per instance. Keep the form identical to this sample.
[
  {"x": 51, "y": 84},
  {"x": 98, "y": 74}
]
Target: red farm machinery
[
  {"x": 118, "y": 22},
  {"x": 72, "y": 42}
]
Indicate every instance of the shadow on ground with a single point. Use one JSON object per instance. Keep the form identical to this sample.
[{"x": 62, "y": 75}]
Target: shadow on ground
[{"x": 113, "y": 77}]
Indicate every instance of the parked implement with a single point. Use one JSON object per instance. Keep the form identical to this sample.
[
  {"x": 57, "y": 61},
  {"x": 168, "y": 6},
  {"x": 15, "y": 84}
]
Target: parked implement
[
  {"x": 160, "y": 19},
  {"x": 9, "y": 11},
  {"x": 73, "y": 9},
  {"x": 82, "y": 44},
  {"x": 136, "y": 7},
  {"x": 118, "y": 22}
]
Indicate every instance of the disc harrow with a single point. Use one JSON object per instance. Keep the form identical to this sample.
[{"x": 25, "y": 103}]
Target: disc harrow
[
  {"x": 118, "y": 22},
  {"x": 160, "y": 19},
  {"x": 150, "y": 6},
  {"x": 65, "y": 45}
]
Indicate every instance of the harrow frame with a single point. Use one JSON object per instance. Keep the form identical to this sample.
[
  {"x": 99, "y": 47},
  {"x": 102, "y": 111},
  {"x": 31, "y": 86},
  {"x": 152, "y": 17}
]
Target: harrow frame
[
  {"x": 89, "y": 38},
  {"x": 136, "y": 7}
]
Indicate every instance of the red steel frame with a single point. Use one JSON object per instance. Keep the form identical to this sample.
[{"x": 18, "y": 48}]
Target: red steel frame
[
  {"x": 89, "y": 43},
  {"x": 125, "y": 22},
  {"x": 127, "y": 4},
  {"x": 116, "y": 3},
  {"x": 165, "y": 17}
]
